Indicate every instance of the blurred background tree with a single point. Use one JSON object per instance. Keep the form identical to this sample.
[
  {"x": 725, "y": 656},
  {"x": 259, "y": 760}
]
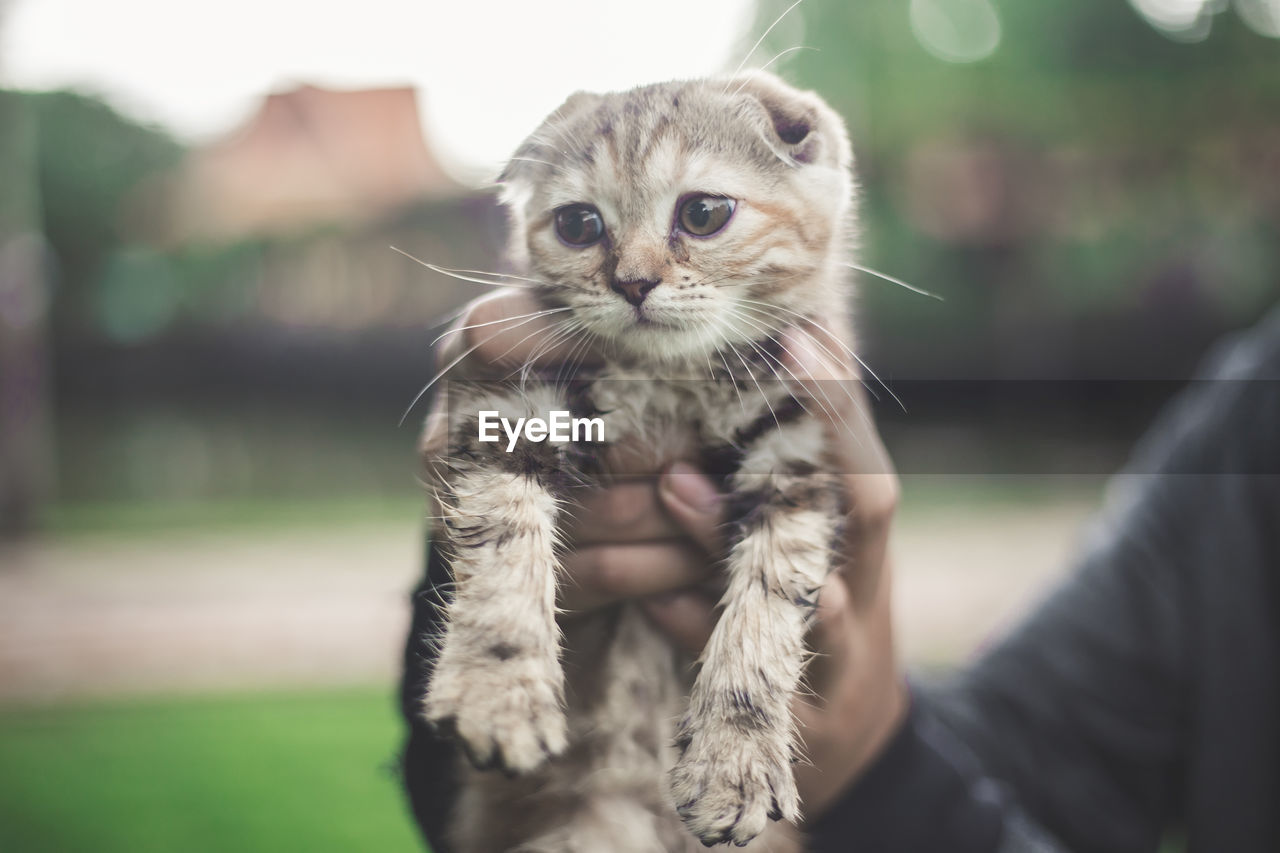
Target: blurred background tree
[
  {"x": 1092, "y": 196},
  {"x": 90, "y": 158}
]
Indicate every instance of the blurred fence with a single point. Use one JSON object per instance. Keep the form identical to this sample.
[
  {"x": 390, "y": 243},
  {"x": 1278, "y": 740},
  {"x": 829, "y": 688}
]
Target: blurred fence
[{"x": 273, "y": 367}]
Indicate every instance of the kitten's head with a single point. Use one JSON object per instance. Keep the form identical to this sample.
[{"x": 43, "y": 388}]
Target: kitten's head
[{"x": 677, "y": 217}]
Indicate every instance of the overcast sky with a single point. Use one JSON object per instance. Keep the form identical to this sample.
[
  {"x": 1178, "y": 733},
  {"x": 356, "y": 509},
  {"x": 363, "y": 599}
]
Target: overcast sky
[{"x": 488, "y": 70}]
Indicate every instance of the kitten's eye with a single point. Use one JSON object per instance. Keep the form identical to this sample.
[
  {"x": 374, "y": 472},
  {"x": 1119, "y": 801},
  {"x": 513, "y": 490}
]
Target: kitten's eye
[
  {"x": 704, "y": 215},
  {"x": 579, "y": 225}
]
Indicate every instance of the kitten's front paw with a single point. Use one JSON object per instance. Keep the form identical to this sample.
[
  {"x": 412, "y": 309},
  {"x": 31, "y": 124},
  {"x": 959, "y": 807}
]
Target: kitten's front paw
[
  {"x": 728, "y": 786},
  {"x": 505, "y": 716}
]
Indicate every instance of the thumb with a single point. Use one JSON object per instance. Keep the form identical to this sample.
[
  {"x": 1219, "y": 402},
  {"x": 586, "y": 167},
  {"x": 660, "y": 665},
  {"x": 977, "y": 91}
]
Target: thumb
[{"x": 694, "y": 503}]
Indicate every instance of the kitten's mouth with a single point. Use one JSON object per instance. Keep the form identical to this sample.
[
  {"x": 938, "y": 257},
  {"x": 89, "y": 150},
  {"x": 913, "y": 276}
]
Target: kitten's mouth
[{"x": 646, "y": 319}]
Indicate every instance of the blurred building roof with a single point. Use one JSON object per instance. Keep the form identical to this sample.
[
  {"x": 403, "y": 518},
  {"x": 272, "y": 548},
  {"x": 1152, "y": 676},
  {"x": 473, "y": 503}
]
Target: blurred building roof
[{"x": 308, "y": 156}]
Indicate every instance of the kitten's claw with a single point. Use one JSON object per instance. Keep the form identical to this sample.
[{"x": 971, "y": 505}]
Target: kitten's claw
[
  {"x": 729, "y": 787},
  {"x": 501, "y": 720}
]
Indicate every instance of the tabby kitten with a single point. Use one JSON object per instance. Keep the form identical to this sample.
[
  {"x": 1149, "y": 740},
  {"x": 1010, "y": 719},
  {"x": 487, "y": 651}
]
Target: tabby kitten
[{"x": 677, "y": 228}]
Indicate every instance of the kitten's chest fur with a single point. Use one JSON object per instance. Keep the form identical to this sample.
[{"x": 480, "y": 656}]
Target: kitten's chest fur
[{"x": 654, "y": 421}]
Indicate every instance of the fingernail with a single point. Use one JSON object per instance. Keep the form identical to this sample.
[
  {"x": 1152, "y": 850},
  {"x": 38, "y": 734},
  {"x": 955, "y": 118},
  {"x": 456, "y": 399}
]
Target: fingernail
[{"x": 689, "y": 486}]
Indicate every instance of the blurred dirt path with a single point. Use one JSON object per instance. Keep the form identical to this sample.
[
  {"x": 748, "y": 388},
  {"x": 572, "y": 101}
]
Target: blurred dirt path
[
  {"x": 98, "y": 615},
  {"x": 106, "y": 615}
]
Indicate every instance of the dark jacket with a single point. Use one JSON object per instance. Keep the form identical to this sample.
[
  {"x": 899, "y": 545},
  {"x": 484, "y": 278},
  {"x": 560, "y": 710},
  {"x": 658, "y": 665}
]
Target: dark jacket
[{"x": 1141, "y": 700}]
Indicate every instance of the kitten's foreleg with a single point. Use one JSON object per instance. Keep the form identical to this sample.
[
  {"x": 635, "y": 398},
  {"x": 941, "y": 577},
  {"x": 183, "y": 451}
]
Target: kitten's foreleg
[
  {"x": 738, "y": 737},
  {"x": 498, "y": 682}
]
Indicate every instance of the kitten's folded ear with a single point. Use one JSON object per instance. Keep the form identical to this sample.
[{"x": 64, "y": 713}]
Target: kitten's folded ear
[{"x": 801, "y": 127}]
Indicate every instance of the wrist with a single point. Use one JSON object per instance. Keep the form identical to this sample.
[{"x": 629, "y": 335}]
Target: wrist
[
  {"x": 913, "y": 795},
  {"x": 843, "y": 745}
]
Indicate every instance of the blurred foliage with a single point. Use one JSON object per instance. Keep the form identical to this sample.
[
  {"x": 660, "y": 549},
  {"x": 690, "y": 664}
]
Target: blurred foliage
[
  {"x": 1064, "y": 71},
  {"x": 90, "y": 159},
  {"x": 186, "y": 446},
  {"x": 303, "y": 771},
  {"x": 142, "y": 291},
  {"x": 344, "y": 282},
  {"x": 1091, "y": 193},
  {"x": 20, "y": 198}
]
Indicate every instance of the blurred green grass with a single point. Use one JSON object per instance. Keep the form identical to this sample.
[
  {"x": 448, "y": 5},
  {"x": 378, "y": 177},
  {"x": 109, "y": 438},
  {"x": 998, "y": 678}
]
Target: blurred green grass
[
  {"x": 925, "y": 496},
  {"x": 255, "y": 772},
  {"x": 136, "y": 518},
  {"x": 269, "y": 772},
  {"x": 922, "y": 494}
]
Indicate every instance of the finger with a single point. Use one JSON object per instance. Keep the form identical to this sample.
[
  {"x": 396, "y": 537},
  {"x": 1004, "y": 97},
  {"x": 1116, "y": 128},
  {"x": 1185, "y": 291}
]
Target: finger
[
  {"x": 856, "y": 696},
  {"x": 508, "y": 329},
  {"x": 851, "y": 649},
  {"x": 688, "y": 617},
  {"x": 624, "y": 512},
  {"x": 604, "y": 574},
  {"x": 435, "y": 435},
  {"x": 830, "y": 636},
  {"x": 695, "y": 504},
  {"x": 870, "y": 483},
  {"x": 827, "y": 369},
  {"x": 634, "y": 460},
  {"x": 829, "y": 375}
]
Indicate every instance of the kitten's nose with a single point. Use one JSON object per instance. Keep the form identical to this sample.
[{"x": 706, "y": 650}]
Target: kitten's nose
[{"x": 634, "y": 291}]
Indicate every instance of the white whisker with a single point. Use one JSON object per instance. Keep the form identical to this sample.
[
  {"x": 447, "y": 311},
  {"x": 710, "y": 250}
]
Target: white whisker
[
  {"x": 527, "y": 363},
  {"x": 442, "y": 319},
  {"x": 769, "y": 330},
  {"x": 495, "y": 322},
  {"x": 496, "y": 274},
  {"x": 843, "y": 346},
  {"x": 459, "y": 274},
  {"x": 856, "y": 404},
  {"x": 451, "y": 365},
  {"x": 763, "y": 36},
  {"x": 741, "y": 402},
  {"x": 561, "y": 334},
  {"x": 554, "y": 166},
  {"x": 897, "y": 281},
  {"x": 576, "y": 356},
  {"x": 763, "y": 396},
  {"x": 755, "y": 71}
]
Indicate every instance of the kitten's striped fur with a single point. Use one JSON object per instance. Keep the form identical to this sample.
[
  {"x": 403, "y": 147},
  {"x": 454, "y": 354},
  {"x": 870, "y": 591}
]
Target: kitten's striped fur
[{"x": 628, "y": 752}]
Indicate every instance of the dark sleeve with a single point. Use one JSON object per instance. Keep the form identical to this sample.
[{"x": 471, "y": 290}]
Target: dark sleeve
[
  {"x": 429, "y": 761},
  {"x": 925, "y": 792},
  {"x": 1073, "y": 732}
]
